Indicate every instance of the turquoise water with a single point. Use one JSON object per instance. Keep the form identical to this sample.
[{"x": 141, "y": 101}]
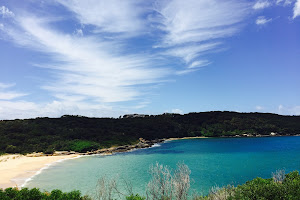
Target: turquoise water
[{"x": 213, "y": 162}]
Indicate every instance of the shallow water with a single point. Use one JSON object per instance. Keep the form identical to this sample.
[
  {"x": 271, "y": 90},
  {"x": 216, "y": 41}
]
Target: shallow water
[{"x": 213, "y": 162}]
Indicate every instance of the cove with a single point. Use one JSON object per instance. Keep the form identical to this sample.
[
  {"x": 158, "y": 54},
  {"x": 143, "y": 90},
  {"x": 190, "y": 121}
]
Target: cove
[{"x": 212, "y": 161}]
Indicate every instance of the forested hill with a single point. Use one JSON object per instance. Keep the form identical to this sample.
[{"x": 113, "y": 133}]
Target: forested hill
[{"x": 82, "y": 133}]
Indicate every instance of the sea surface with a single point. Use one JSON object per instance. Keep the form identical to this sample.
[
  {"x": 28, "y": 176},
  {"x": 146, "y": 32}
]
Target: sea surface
[{"x": 212, "y": 161}]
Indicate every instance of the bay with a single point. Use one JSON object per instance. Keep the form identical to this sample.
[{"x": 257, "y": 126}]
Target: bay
[{"x": 212, "y": 161}]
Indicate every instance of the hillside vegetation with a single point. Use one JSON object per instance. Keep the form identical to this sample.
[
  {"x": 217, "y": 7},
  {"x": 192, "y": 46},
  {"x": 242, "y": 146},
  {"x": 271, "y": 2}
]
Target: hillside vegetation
[{"x": 83, "y": 134}]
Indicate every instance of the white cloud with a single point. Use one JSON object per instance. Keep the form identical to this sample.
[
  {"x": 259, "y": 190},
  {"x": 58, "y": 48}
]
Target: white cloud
[
  {"x": 26, "y": 109},
  {"x": 5, "y": 85},
  {"x": 89, "y": 72},
  {"x": 259, "y": 108},
  {"x": 190, "y": 52},
  {"x": 5, "y": 12},
  {"x": 199, "y": 63},
  {"x": 284, "y": 2},
  {"x": 9, "y": 95},
  {"x": 261, "y": 20},
  {"x": 192, "y": 25},
  {"x": 185, "y": 71},
  {"x": 183, "y": 21},
  {"x": 99, "y": 70},
  {"x": 176, "y": 110},
  {"x": 296, "y": 9},
  {"x": 291, "y": 110},
  {"x": 87, "y": 66},
  {"x": 261, "y": 4},
  {"x": 113, "y": 16},
  {"x": 79, "y": 32}
]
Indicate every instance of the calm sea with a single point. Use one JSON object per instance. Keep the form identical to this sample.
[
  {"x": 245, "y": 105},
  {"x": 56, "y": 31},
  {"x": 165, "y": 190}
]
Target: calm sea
[{"x": 213, "y": 162}]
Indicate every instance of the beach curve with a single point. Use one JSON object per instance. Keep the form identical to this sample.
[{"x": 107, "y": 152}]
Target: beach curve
[{"x": 16, "y": 169}]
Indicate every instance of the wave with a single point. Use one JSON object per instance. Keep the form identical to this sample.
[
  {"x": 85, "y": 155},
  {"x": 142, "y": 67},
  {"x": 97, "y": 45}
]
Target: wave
[
  {"x": 24, "y": 181},
  {"x": 156, "y": 145}
]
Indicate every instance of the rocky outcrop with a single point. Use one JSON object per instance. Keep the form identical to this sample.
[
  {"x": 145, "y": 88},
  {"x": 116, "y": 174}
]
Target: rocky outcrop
[{"x": 141, "y": 145}]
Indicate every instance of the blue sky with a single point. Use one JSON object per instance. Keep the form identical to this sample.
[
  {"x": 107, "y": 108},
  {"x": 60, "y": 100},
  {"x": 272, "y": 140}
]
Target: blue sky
[{"x": 108, "y": 58}]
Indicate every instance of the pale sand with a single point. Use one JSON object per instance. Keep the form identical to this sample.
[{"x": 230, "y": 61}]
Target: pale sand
[
  {"x": 186, "y": 138},
  {"x": 16, "y": 169}
]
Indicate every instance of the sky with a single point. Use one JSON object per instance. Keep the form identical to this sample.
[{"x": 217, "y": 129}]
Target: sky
[{"x": 100, "y": 58}]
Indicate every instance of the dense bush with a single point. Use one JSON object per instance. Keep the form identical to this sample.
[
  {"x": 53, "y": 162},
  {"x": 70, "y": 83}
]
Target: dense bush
[
  {"x": 135, "y": 197},
  {"x": 259, "y": 188},
  {"x": 83, "y": 146},
  {"x": 36, "y": 194},
  {"x": 84, "y": 134}
]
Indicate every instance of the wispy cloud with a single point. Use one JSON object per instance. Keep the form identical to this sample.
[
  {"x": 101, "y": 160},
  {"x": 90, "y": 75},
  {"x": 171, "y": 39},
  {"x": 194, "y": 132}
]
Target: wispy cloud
[
  {"x": 192, "y": 27},
  {"x": 5, "y": 85},
  {"x": 87, "y": 66},
  {"x": 5, "y": 12},
  {"x": 291, "y": 110},
  {"x": 259, "y": 108},
  {"x": 177, "y": 110},
  {"x": 26, "y": 109},
  {"x": 9, "y": 95},
  {"x": 199, "y": 63},
  {"x": 296, "y": 9},
  {"x": 183, "y": 22},
  {"x": 91, "y": 66},
  {"x": 261, "y": 4},
  {"x": 100, "y": 70},
  {"x": 261, "y": 20},
  {"x": 284, "y": 2},
  {"x": 113, "y": 16},
  {"x": 190, "y": 52}
]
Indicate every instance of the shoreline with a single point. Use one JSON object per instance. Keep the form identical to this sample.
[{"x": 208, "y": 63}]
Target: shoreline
[
  {"x": 186, "y": 138},
  {"x": 16, "y": 170}
]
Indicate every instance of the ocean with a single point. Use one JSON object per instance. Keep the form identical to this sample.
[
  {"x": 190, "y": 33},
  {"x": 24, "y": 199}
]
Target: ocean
[{"x": 212, "y": 161}]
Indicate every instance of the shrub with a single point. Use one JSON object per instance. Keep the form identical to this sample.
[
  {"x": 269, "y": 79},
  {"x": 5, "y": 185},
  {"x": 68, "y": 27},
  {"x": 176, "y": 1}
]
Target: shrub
[
  {"x": 36, "y": 194},
  {"x": 278, "y": 176},
  {"x": 282, "y": 187},
  {"x": 258, "y": 188},
  {"x": 49, "y": 150},
  {"x": 135, "y": 197},
  {"x": 11, "y": 149},
  {"x": 167, "y": 185},
  {"x": 83, "y": 146}
]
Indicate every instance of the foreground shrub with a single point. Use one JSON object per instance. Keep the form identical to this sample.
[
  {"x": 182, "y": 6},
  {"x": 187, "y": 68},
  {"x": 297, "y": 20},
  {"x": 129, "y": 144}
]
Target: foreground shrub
[
  {"x": 260, "y": 188},
  {"x": 36, "y": 194},
  {"x": 167, "y": 185},
  {"x": 280, "y": 187},
  {"x": 135, "y": 197}
]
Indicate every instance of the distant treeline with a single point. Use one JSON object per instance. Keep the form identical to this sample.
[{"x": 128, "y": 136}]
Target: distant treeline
[{"x": 83, "y": 134}]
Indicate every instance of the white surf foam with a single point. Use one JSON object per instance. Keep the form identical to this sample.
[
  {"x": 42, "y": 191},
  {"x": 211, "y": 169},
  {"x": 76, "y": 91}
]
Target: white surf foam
[{"x": 24, "y": 181}]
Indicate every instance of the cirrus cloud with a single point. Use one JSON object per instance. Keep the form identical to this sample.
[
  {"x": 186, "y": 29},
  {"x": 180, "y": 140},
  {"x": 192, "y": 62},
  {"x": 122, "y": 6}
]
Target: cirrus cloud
[
  {"x": 296, "y": 9},
  {"x": 261, "y": 20}
]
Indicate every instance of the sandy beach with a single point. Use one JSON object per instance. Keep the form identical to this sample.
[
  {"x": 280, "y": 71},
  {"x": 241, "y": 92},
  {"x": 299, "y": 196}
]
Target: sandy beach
[
  {"x": 15, "y": 169},
  {"x": 186, "y": 138}
]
